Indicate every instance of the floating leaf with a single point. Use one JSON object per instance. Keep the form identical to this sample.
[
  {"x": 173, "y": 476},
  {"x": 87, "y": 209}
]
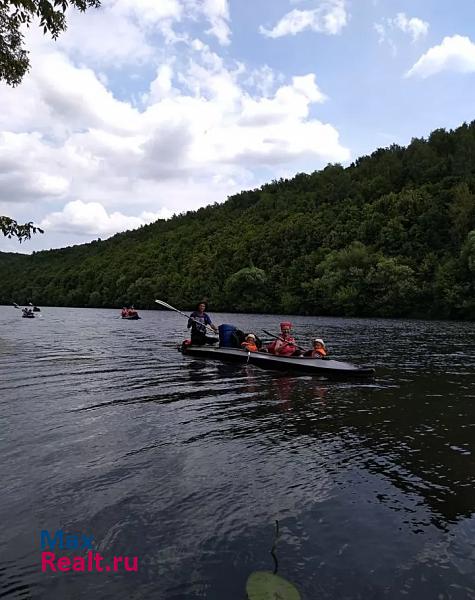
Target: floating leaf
[{"x": 263, "y": 585}]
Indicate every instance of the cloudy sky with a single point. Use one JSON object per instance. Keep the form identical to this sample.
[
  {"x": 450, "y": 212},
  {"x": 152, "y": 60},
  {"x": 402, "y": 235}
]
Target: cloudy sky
[{"x": 146, "y": 108}]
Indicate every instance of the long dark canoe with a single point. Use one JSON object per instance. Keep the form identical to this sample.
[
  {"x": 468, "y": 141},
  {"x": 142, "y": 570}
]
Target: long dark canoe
[{"x": 321, "y": 367}]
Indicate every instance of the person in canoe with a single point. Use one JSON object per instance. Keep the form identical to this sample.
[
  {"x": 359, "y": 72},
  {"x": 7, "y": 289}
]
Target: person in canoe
[
  {"x": 250, "y": 343},
  {"x": 132, "y": 312},
  {"x": 285, "y": 345},
  {"x": 129, "y": 313},
  {"x": 318, "y": 351},
  {"x": 198, "y": 322}
]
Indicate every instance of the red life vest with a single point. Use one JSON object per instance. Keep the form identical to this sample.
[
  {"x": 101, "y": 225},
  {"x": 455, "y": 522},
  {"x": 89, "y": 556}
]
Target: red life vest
[{"x": 283, "y": 348}]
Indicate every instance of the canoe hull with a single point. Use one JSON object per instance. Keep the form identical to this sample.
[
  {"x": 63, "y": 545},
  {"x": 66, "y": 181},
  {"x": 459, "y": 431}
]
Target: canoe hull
[{"x": 320, "y": 367}]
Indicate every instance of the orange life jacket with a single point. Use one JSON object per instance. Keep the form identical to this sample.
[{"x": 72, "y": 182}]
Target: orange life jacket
[
  {"x": 249, "y": 346},
  {"x": 319, "y": 352}
]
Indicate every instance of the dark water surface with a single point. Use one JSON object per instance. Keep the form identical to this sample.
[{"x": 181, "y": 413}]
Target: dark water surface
[{"x": 106, "y": 430}]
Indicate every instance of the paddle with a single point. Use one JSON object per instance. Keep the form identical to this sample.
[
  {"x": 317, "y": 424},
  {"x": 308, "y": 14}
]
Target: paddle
[
  {"x": 24, "y": 310},
  {"x": 166, "y": 305},
  {"x": 20, "y": 308},
  {"x": 277, "y": 337}
]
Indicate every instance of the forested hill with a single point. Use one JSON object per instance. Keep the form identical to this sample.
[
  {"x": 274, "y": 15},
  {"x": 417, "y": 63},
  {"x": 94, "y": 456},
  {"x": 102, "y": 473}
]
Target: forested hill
[{"x": 391, "y": 235}]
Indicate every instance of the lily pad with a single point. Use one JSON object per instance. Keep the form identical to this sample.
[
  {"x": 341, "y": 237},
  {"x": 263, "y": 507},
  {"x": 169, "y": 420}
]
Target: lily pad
[{"x": 263, "y": 585}]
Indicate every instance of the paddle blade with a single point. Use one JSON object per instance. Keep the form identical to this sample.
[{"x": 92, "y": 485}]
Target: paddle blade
[
  {"x": 263, "y": 585},
  {"x": 165, "y": 304}
]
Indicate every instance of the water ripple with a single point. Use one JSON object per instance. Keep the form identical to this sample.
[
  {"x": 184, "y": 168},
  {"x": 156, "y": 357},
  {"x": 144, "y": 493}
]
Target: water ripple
[{"x": 109, "y": 431}]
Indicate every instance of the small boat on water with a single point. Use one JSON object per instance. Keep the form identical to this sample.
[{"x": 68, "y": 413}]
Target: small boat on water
[
  {"x": 27, "y": 312},
  {"x": 36, "y": 309},
  {"x": 231, "y": 339},
  {"x": 327, "y": 368},
  {"x": 130, "y": 314}
]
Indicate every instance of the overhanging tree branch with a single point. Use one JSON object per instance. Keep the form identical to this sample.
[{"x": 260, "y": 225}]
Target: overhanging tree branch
[
  {"x": 14, "y": 61},
  {"x": 10, "y": 228}
]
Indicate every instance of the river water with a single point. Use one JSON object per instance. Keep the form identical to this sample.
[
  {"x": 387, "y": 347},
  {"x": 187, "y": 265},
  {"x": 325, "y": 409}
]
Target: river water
[{"x": 108, "y": 431}]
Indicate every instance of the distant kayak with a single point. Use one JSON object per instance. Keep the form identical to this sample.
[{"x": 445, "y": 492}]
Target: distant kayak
[
  {"x": 132, "y": 317},
  {"x": 323, "y": 367},
  {"x": 36, "y": 309},
  {"x": 28, "y": 316}
]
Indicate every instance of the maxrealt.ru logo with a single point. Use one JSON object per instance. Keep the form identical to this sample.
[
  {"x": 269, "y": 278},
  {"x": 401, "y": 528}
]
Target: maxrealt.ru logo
[{"x": 51, "y": 561}]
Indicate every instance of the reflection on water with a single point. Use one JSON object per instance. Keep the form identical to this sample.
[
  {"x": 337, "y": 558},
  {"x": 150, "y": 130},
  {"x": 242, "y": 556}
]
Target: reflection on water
[{"x": 187, "y": 464}]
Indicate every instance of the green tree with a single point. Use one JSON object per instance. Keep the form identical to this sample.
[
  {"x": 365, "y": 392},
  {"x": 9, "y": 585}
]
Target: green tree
[
  {"x": 468, "y": 260},
  {"x": 462, "y": 211},
  {"x": 391, "y": 235},
  {"x": 468, "y": 252},
  {"x": 246, "y": 289},
  {"x": 393, "y": 287},
  {"x": 95, "y": 299},
  {"x": 141, "y": 292},
  {"x": 339, "y": 286},
  {"x": 448, "y": 289},
  {"x": 14, "y": 61},
  {"x": 10, "y": 228}
]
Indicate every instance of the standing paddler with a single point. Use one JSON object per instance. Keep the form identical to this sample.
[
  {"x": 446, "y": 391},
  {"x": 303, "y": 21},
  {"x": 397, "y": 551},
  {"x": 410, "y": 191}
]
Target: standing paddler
[{"x": 198, "y": 322}]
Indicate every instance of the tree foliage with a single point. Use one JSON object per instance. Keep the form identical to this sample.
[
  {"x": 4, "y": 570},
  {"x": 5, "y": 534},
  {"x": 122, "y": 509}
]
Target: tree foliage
[
  {"x": 10, "y": 228},
  {"x": 14, "y": 14},
  {"x": 392, "y": 235}
]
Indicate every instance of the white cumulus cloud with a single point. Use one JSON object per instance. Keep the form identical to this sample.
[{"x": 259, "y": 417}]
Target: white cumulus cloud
[
  {"x": 89, "y": 149},
  {"x": 91, "y": 218},
  {"x": 330, "y": 17},
  {"x": 456, "y": 53},
  {"x": 387, "y": 29},
  {"x": 416, "y": 27},
  {"x": 217, "y": 12}
]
